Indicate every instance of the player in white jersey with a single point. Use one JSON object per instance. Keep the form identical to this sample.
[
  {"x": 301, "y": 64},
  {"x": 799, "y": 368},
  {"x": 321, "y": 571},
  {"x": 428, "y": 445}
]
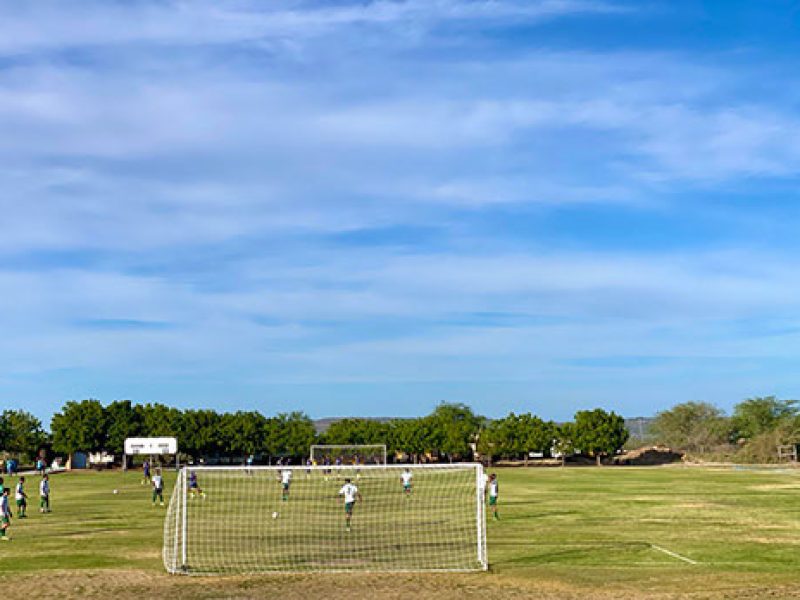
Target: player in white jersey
[
  {"x": 158, "y": 488},
  {"x": 406, "y": 477},
  {"x": 44, "y": 495},
  {"x": 286, "y": 481},
  {"x": 350, "y": 494},
  {"x": 5, "y": 514},
  {"x": 22, "y": 498},
  {"x": 493, "y": 493}
]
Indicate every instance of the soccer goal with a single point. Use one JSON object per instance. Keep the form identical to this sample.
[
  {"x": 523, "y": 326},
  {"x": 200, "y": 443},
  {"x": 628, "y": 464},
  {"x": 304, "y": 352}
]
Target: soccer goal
[
  {"x": 353, "y": 454},
  {"x": 250, "y": 521}
]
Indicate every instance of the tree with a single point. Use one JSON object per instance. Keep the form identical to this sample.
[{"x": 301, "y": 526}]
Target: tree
[
  {"x": 80, "y": 426},
  {"x": 499, "y": 438},
  {"x": 599, "y": 433},
  {"x": 564, "y": 442},
  {"x": 243, "y": 433},
  {"x": 158, "y": 420},
  {"x": 200, "y": 433},
  {"x": 121, "y": 421},
  {"x": 356, "y": 431},
  {"x": 691, "y": 426},
  {"x": 21, "y": 433},
  {"x": 289, "y": 434},
  {"x": 759, "y": 415},
  {"x": 516, "y": 435},
  {"x": 455, "y": 429},
  {"x": 413, "y": 437}
]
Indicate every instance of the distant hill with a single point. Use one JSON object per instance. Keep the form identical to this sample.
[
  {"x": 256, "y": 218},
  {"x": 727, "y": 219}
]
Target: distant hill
[{"x": 324, "y": 423}]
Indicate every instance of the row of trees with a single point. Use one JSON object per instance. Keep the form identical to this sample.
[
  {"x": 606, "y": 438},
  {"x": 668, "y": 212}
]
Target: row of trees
[
  {"x": 451, "y": 431},
  {"x": 750, "y": 434},
  {"x": 89, "y": 426},
  {"x": 594, "y": 433}
]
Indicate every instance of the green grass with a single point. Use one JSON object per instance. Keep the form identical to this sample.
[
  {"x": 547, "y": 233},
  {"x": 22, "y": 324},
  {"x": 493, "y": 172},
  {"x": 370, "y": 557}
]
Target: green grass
[{"x": 566, "y": 533}]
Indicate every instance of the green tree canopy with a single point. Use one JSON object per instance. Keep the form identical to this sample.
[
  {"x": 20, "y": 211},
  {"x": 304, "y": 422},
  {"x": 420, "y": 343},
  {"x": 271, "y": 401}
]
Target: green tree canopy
[
  {"x": 356, "y": 431},
  {"x": 455, "y": 428},
  {"x": 289, "y": 434},
  {"x": 599, "y": 433},
  {"x": 158, "y": 420},
  {"x": 413, "y": 437},
  {"x": 80, "y": 426},
  {"x": 121, "y": 421},
  {"x": 565, "y": 435},
  {"x": 243, "y": 433},
  {"x": 21, "y": 433},
  {"x": 691, "y": 426},
  {"x": 758, "y": 415},
  {"x": 201, "y": 433}
]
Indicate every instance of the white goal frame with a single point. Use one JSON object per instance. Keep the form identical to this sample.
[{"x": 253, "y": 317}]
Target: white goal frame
[
  {"x": 349, "y": 447},
  {"x": 176, "y": 553}
]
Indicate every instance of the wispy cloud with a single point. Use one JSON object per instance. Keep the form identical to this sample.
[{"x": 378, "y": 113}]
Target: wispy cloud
[{"x": 366, "y": 193}]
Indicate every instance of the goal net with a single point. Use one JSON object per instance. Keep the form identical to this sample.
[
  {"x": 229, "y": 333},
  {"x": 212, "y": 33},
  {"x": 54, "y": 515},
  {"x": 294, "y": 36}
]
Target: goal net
[
  {"x": 227, "y": 520},
  {"x": 353, "y": 454}
]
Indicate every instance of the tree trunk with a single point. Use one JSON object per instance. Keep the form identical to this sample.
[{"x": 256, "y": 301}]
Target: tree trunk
[{"x": 599, "y": 464}]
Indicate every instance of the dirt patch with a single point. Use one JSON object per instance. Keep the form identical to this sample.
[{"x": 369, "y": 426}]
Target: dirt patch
[
  {"x": 133, "y": 584},
  {"x": 648, "y": 456},
  {"x": 775, "y": 486}
]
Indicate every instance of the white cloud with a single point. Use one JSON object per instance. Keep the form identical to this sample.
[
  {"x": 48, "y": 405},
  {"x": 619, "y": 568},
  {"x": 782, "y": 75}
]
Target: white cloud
[{"x": 52, "y": 25}]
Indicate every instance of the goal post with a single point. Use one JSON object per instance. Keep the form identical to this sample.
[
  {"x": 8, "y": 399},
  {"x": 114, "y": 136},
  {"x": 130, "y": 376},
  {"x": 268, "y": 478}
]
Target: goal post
[
  {"x": 247, "y": 521},
  {"x": 348, "y": 454}
]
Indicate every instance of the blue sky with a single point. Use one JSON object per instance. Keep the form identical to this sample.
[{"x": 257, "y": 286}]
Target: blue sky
[{"x": 366, "y": 208}]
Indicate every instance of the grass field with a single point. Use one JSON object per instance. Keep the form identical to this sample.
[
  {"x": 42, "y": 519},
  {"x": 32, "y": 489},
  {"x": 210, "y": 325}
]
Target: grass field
[{"x": 573, "y": 533}]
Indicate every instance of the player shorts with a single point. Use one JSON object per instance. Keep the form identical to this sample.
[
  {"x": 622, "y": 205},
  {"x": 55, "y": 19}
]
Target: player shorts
[
  {"x": 286, "y": 487},
  {"x": 21, "y": 502},
  {"x": 348, "y": 507},
  {"x": 406, "y": 486},
  {"x": 492, "y": 500},
  {"x": 5, "y": 521},
  {"x": 192, "y": 486}
]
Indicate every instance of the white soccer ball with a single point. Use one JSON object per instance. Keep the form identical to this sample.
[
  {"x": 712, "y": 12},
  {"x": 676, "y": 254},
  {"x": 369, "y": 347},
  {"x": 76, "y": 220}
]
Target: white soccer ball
[
  {"x": 275, "y": 515},
  {"x": 116, "y": 491}
]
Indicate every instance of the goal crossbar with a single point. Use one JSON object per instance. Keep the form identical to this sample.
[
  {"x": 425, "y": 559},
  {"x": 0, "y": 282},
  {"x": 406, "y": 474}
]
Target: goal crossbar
[{"x": 245, "y": 520}]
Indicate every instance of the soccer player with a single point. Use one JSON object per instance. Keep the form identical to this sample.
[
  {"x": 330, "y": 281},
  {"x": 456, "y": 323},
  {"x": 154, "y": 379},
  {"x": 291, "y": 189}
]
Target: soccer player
[
  {"x": 194, "y": 488},
  {"x": 406, "y": 477},
  {"x": 158, "y": 488},
  {"x": 286, "y": 481},
  {"x": 493, "y": 491},
  {"x": 5, "y": 515},
  {"x": 308, "y": 467},
  {"x": 44, "y": 495},
  {"x": 146, "y": 471},
  {"x": 351, "y": 494},
  {"x": 22, "y": 498},
  {"x": 249, "y": 462}
]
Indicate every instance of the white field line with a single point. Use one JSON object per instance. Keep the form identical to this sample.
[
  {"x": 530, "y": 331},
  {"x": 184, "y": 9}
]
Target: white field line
[{"x": 674, "y": 554}]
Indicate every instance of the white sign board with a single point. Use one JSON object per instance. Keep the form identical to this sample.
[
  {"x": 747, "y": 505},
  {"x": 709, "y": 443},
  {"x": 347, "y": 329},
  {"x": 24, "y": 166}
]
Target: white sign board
[{"x": 160, "y": 445}]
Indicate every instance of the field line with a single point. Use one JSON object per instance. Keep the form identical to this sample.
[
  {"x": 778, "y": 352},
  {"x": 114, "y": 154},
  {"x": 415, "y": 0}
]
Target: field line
[{"x": 674, "y": 554}]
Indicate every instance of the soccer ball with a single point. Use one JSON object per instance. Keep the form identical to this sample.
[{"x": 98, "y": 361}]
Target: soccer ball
[
  {"x": 275, "y": 515},
  {"x": 116, "y": 491}
]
